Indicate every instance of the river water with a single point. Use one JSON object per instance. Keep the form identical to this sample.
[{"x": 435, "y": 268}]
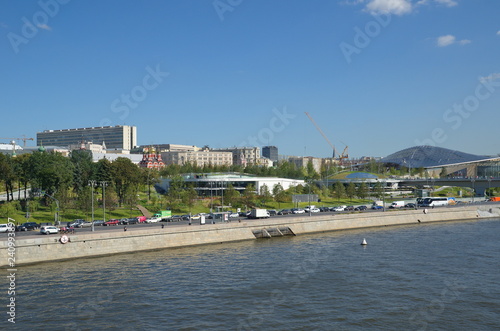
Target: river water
[{"x": 420, "y": 277}]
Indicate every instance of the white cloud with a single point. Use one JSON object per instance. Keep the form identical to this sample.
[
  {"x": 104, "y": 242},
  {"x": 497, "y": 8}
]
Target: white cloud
[
  {"x": 498, "y": 33},
  {"x": 44, "y": 26},
  {"x": 449, "y": 39},
  {"x": 448, "y": 3},
  {"x": 490, "y": 78},
  {"x": 398, "y": 7}
]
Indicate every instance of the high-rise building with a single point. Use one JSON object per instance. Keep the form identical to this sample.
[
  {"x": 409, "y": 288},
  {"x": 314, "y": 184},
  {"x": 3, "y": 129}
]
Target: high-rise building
[
  {"x": 120, "y": 137},
  {"x": 271, "y": 152}
]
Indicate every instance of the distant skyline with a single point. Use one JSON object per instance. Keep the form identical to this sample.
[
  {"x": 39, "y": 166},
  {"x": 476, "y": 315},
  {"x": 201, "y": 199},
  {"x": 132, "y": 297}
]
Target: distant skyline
[{"x": 376, "y": 75}]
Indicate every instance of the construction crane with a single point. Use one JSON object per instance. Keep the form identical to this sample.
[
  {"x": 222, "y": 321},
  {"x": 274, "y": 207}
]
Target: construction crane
[
  {"x": 345, "y": 153},
  {"x": 24, "y": 139},
  {"x": 323, "y": 134}
]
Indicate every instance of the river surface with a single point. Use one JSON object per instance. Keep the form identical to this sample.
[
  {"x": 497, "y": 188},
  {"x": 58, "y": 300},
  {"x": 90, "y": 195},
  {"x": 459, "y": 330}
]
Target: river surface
[{"x": 420, "y": 277}]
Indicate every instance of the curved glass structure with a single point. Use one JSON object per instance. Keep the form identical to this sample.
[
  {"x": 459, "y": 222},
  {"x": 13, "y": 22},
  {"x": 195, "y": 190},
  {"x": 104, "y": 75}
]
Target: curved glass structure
[
  {"x": 363, "y": 175},
  {"x": 430, "y": 156}
]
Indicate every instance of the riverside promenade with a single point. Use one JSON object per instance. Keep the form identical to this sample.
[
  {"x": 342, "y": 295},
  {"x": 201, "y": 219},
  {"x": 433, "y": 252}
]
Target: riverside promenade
[{"x": 36, "y": 249}]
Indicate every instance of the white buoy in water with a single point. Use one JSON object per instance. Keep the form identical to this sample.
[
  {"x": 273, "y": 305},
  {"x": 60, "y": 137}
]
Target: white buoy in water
[{"x": 364, "y": 242}]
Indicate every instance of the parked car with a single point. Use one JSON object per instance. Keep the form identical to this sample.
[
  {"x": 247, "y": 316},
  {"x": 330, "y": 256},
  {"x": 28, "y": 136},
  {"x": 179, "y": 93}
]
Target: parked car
[
  {"x": 153, "y": 220},
  {"x": 131, "y": 220},
  {"x": 315, "y": 210},
  {"x": 324, "y": 209},
  {"x": 5, "y": 228},
  {"x": 196, "y": 217},
  {"x": 376, "y": 207},
  {"x": 349, "y": 208},
  {"x": 272, "y": 212},
  {"x": 361, "y": 208},
  {"x": 298, "y": 211},
  {"x": 28, "y": 226},
  {"x": 75, "y": 223},
  {"x": 339, "y": 208},
  {"x": 112, "y": 222},
  {"x": 411, "y": 205},
  {"x": 84, "y": 225},
  {"x": 284, "y": 212},
  {"x": 49, "y": 229},
  {"x": 98, "y": 222},
  {"x": 234, "y": 215}
]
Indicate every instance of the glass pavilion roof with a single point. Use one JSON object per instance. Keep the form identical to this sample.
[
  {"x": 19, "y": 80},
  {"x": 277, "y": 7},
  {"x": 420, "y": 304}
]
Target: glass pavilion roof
[{"x": 430, "y": 156}]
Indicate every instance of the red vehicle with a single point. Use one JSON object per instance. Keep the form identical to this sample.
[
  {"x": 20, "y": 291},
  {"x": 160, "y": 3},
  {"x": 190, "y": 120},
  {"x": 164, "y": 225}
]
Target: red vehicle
[
  {"x": 111, "y": 222},
  {"x": 141, "y": 219}
]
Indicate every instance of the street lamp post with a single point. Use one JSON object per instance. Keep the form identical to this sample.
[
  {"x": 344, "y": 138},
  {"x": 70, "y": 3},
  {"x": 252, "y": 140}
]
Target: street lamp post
[
  {"x": 384, "y": 184},
  {"x": 211, "y": 198},
  {"x": 56, "y": 214},
  {"x": 104, "y": 184},
  {"x": 92, "y": 184},
  {"x": 473, "y": 188}
]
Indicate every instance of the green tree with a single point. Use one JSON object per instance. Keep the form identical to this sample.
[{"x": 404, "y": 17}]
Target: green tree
[
  {"x": 22, "y": 173},
  {"x": 231, "y": 195},
  {"x": 362, "y": 190},
  {"x": 189, "y": 197},
  {"x": 51, "y": 172},
  {"x": 249, "y": 195},
  {"x": 350, "y": 190},
  {"x": 7, "y": 175},
  {"x": 126, "y": 177},
  {"x": 339, "y": 190},
  {"x": 378, "y": 190},
  {"x": 83, "y": 168},
  {"x": 265, "y": 194}
]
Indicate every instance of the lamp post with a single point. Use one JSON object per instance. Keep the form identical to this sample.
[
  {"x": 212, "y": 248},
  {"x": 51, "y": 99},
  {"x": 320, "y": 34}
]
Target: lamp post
[
  {"x": 56, "y": 214},
  {"x": 222, "y": 194},
  {"x": 384, "y": 184},
  {"x": 104, "y": 184},
  {"x": 211, "y": 198},
  {"x": 473, "y": 188},
  {"x": 92, "y": 184}
]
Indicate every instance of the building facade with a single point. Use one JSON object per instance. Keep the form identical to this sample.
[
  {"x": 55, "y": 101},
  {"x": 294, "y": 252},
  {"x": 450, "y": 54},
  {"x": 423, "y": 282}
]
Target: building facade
[
  {"x": 215, "y": 184},
  {"x": 271, "y": 152},
  {"x": 120, "y": 137},
  {"x": 200, "y": 158},
  {"x": 301, "y": 162},
  {"x": 243, "y": 155}
]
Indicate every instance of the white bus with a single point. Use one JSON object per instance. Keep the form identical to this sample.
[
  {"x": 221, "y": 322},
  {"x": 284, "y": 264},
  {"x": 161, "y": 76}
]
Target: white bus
[{"x": 434, "y": 202}]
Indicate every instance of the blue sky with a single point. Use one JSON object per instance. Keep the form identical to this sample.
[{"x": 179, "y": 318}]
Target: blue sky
[{"x": 376, "y": 75}]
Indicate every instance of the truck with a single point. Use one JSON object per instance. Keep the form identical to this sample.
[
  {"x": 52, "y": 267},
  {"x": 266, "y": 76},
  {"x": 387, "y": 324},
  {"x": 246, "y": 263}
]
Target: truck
[
  {"x": 259, "y": 213},
  {"x": 397, "y": 204},
  {"x": 163, "y": 214},
  {"x": 496, "y": 199}
]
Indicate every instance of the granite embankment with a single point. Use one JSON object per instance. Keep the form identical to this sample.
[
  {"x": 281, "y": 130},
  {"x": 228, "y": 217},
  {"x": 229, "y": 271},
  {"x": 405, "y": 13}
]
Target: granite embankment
[{"x": 51, "y": 248}]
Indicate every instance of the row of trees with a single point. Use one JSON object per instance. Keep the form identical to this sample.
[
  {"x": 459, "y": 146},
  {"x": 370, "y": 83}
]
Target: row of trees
[{"x": 68, "y": 178}]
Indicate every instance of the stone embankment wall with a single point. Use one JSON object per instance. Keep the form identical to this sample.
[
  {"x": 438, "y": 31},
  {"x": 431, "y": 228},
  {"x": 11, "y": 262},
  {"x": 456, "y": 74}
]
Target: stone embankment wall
[{"x": 49, "y": 248}]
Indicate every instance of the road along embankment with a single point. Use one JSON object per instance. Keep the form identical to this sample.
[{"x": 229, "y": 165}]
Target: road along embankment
[{"x": 34, "y": 249}]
